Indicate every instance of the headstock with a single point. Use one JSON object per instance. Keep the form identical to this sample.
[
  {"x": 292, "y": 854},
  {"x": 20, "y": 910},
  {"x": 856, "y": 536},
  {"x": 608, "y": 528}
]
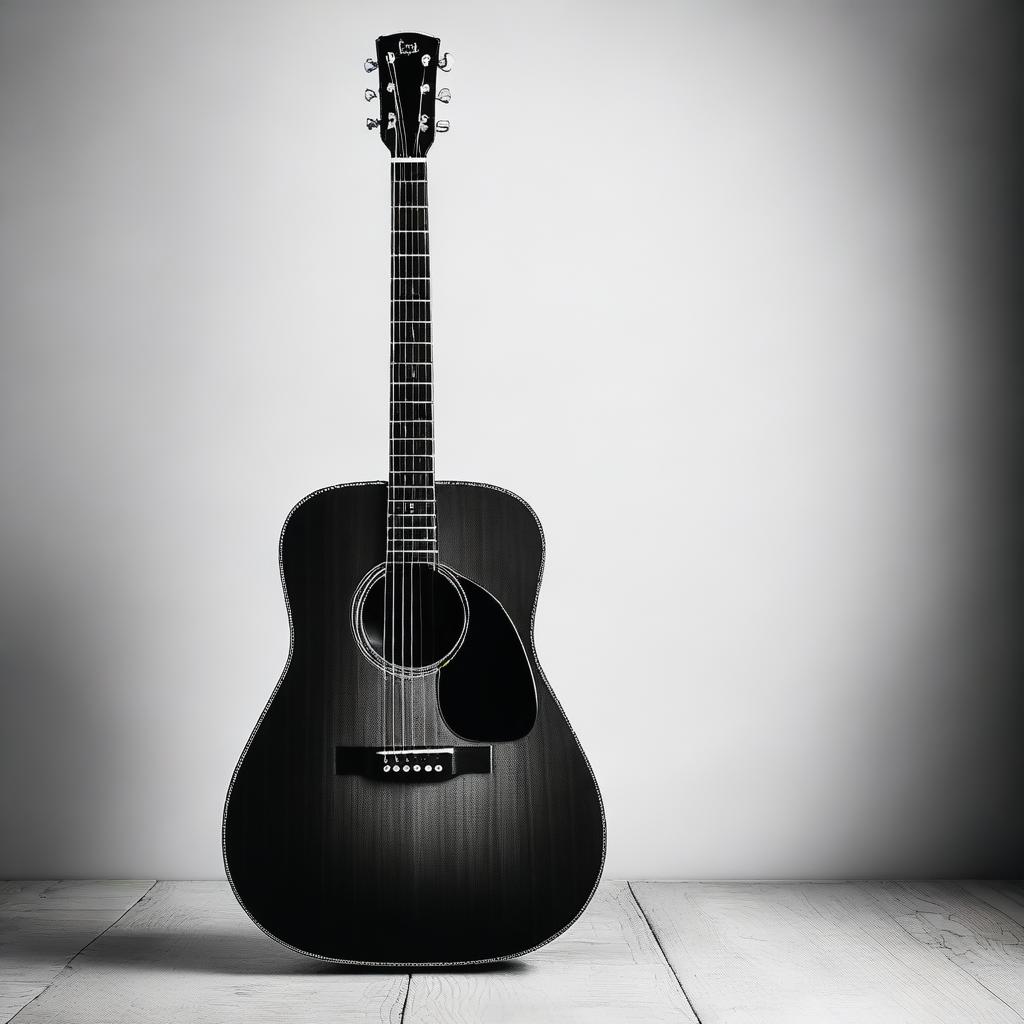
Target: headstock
[{"x": 407, "y": 66}]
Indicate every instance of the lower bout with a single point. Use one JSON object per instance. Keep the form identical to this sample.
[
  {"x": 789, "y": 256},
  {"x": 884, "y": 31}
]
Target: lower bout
[{"x": 430, "y": 883}]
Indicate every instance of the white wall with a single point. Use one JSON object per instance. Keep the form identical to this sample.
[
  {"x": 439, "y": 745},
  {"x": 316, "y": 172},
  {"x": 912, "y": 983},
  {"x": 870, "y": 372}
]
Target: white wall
[{"x": 713, "y": 291}]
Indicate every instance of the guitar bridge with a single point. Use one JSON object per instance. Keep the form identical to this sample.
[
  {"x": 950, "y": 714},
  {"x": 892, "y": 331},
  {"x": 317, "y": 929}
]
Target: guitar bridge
[{"x": 419, "y": 764}]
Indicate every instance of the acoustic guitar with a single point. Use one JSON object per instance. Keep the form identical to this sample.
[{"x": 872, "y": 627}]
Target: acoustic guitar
[{"x": 413, "y": 793}]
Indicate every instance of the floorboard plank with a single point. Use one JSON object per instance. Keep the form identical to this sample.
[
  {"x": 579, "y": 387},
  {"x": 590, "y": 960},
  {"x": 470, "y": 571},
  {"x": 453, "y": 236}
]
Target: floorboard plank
[
  {"x": 607, "y": 969},
  {"x": 187, "y": 952},
  {"x": 43, "y": 924},
  {"x": 970, "y": 932},
  {"x": 755, "y": 953},
  {"x": 1005, "y": 896}
]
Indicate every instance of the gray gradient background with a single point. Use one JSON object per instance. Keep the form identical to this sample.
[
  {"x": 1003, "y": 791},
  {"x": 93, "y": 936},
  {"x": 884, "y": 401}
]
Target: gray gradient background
[{"x": 726, "y": 290}]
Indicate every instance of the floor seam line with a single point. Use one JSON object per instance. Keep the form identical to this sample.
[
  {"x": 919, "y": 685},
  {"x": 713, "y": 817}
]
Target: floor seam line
[
  {"x": 664, "y": 955},
  {"x": 61, "y": 972},
  {"x": 405, "y": 1001}
]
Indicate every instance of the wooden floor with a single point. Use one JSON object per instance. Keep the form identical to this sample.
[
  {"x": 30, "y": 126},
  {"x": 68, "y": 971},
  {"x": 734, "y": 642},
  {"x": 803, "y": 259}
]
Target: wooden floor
[{"x": 857, "y": 952}]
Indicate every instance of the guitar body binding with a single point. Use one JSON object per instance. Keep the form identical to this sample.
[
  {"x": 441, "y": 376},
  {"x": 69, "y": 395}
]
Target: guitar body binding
[{"x": 494, "y": 851}]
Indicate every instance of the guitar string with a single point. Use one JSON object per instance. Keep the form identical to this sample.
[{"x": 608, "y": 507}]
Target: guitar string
[
  {"x": 420, "y": 304},
  {"x": 401, "y": 142},
  {"x": 392, "y": 495},
  {"x": 425, "y": 306},
  {"x": 428, "y": 678},
  {"x": 387, "y": 519},
  {"x": 428, "y": 391},
  {"x": 389, "y": 678},
  {"x": 408, "y": 562}
]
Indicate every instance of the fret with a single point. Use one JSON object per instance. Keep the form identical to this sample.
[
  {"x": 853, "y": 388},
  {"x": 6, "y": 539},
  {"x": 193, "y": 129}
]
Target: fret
[{"x": 412, "y": 521}]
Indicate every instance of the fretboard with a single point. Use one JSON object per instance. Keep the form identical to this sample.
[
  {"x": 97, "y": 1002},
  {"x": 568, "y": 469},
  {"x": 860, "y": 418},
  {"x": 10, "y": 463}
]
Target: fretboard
[{"x": 412, "y": 519}]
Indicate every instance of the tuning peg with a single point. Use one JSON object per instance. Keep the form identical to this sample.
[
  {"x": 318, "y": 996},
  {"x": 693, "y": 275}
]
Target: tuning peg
[
  {"x": 444, "y": 95},
  {"x": 369, "y": 95},
  {"x": 372, "y": 122},
  {"x": 442, "y": 126},
  {"x": 445, "y": 63},
  {"x": 369, "y": 65}
]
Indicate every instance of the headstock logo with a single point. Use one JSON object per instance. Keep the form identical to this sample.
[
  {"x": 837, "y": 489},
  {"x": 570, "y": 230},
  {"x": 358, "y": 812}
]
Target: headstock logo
[{"x": 404, "y": 48}]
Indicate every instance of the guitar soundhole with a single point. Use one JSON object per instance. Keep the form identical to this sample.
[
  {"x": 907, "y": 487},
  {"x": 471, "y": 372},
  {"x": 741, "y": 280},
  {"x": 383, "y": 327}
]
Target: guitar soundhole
[{"x": 411, "y": 618}]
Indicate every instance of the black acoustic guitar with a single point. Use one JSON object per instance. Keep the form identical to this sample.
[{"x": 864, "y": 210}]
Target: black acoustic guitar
[{"x": 412, "y": 793}]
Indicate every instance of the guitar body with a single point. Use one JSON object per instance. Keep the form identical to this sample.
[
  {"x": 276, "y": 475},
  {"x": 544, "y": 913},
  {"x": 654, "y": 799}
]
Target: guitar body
[{"x": 494, "y": 852}]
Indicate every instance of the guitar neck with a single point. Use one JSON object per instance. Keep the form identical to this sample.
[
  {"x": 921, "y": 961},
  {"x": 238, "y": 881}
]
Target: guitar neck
[{"x": 412, "y": 520}]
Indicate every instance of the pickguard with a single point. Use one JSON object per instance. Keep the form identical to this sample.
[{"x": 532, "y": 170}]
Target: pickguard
[{"x": 486, "y": 693}]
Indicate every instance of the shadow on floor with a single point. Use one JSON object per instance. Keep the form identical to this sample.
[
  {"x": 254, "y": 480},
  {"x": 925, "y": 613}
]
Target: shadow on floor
[{"x": 230, "y": 953}]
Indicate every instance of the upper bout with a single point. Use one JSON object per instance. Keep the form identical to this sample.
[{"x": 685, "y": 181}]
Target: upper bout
[{"x": 494, "y": 538}]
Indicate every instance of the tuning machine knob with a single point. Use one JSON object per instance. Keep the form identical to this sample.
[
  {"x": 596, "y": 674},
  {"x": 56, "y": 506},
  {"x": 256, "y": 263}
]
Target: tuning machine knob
[
  {"x": 444, "y": 95},
  {"x": 369, "y": 95},
  {"x": 369, "y": 65},
  {"x": 442, "y": 126},
  {"x": 445, "y": 63},
  {"x": 372, "y": 122}
]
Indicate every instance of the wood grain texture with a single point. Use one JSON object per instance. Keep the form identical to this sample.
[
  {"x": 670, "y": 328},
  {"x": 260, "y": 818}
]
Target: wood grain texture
[
  {"x": 44, "y": 924},
  {"x": 753, "y": 953},
  {"x": 474, "y": 868},
  {"x": 971, "y": 933},
  {"x": 1005, "y": 896},
  {"x": 825, "y": 952},
  {"x": 188, "y": 953},
  {"x": 607, "y": 969}
]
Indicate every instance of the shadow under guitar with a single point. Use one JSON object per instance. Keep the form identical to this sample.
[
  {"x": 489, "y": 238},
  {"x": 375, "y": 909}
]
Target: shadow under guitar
[{"x": 226, "y": 951}]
